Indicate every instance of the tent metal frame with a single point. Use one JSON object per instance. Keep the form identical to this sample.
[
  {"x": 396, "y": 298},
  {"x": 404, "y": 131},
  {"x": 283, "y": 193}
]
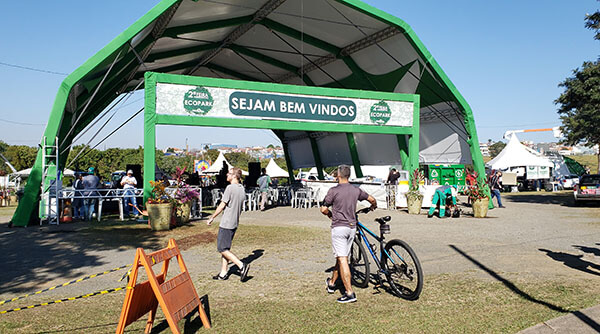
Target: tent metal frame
[{"x": 95, "y": 84}]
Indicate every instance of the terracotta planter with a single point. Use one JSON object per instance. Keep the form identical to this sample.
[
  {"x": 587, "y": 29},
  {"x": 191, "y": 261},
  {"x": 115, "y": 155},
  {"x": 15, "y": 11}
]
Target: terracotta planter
[
  {"x": 160, "y": 216},
  {"x": 414, "y": 204},
  {"x": 182, "y": 216},
  {"x": 480, "y": 208}
]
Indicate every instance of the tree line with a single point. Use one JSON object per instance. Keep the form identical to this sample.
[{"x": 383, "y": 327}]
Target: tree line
[{"x": 113, "y": 159}]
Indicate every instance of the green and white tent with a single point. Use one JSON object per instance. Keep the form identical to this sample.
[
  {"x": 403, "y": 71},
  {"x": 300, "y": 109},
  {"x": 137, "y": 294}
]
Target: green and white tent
[{"x": 326, "y": 43}]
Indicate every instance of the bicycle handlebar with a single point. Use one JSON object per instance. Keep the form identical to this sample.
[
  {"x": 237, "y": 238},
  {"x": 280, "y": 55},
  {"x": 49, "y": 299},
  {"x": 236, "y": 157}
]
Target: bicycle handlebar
[{"x": 363, "y": 210}]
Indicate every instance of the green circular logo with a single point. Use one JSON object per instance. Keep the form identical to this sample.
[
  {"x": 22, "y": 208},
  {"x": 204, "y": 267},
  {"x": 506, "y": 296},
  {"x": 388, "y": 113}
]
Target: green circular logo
[
  {"x": 198, "y": 101},
  {"x": 380, "y": 113}
]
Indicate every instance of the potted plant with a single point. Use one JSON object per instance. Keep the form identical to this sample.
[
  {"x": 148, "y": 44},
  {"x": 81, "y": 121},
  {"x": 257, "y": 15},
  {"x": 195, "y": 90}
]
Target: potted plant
[
  {"x": 414, "y": 198},
  {"x": 13, "y": 195},
  {"x": 184, "y": 195},
  {"x": 478, "y": 194},
  {"x": 159, "y": 207}
]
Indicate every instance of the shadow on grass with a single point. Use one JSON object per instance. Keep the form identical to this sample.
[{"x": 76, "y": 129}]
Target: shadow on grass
[
  {"x": 511, "y": 286},
  {"x": 573, "y": 261},
  {"x": 35, "y": 255},
  {"x": 257, "y": 253},
  {"x": 508, "y": 283}
]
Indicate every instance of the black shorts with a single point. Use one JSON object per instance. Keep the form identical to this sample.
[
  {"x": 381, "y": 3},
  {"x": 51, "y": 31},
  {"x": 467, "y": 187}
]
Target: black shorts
[{"x": 224, "y": 239}]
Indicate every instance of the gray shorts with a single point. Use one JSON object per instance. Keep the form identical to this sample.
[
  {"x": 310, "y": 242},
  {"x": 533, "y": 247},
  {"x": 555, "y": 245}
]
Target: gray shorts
[
  {"x": 224, "y": 239},
  {"x": 341, "y": 240}
]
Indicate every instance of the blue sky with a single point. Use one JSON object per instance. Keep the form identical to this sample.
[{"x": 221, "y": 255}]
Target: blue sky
[{"x": 505, "y": 57}]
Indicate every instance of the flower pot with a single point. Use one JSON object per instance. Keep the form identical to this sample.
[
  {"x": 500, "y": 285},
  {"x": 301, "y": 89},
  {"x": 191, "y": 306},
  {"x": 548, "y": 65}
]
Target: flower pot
[
  {"x": 480, "y": 208},
  {"x": 160, "y": 215},
  {"x": 182, "y": 216},
  {"x": 13, "y": 199},
  {"x": 414, "y": 204}
]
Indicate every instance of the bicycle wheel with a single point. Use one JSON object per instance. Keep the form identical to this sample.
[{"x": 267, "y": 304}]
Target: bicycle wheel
[
  {"x": 405, "y": 275},
  {"x": 359, "y": 264}
]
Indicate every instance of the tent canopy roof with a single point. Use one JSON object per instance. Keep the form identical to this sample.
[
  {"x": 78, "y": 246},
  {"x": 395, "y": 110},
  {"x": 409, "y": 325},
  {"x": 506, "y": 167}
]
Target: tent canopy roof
[
  {"x": 273, "y": 170},
  {"x": 327, "y": 43},
  {"x": 516, "y": 154},
  {"x": 216, "y": 167}
]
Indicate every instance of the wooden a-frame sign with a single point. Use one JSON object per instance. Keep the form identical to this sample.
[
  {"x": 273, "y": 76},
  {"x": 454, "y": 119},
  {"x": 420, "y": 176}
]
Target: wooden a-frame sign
[{"x": 177, "y": 297}]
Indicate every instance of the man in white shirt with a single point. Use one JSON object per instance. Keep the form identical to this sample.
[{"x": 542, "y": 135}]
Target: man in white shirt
[{"x": 129, "y": 183}]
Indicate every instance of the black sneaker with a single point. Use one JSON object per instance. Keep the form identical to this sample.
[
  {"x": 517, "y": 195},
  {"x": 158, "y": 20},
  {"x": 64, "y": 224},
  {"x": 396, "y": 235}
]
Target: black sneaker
[
  {"x": 244, "y": 271},
  {"x": 429, "y": 215},
  {"x": 347, "y": 298},
  {"x": 330, "y": 288},
  {"x": 218, "y": 277}
]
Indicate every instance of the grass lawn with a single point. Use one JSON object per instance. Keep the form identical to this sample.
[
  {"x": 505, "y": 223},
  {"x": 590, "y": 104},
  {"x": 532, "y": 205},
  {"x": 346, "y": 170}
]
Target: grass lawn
[
  {"x": 290, "y": 297},
  {"x": 587, "y": 160}
]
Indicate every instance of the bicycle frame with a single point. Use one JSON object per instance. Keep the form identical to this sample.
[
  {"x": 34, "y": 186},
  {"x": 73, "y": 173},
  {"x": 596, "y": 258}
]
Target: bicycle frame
[{"x": 361, "y": 229}]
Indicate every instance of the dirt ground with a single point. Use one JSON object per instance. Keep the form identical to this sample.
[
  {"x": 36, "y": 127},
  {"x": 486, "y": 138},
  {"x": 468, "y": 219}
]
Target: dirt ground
[{"x": 538, "y": 236}]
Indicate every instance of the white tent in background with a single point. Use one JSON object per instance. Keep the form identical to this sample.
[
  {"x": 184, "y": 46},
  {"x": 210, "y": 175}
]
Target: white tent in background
[
  {"x": 215, "y": 168},
  {"x": 273, "y": 170},
  {"x": 25, "y": 172},
  {"x": 516, "y": 154}
]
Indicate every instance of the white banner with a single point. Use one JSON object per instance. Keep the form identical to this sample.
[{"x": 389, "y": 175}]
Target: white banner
[{"x": 186, "y": 100}]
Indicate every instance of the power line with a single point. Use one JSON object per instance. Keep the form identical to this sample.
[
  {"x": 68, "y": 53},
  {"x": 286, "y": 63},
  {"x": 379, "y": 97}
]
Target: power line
[
  {"x": 33, "y": 69},
  {"x": 20, "y": 123}
]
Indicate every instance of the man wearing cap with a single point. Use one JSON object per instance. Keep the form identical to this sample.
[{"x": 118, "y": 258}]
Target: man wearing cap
[
  {"x": 129, "y": 183},
  {"x": 90, "y": 183}
]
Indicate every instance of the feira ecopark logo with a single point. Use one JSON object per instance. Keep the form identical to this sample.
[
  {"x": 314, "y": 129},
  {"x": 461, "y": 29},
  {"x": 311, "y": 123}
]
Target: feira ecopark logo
[
  {"x": 380, "y": 113},
  {"x": 198, "y": 101}
]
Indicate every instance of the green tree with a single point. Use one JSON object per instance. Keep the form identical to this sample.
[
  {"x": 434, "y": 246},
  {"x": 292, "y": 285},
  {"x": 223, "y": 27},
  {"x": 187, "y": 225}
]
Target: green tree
[
  {"x": 579, "y": 104},
  {"x": 212, "y": 155},
  {"x": 592, "y": 21},
  {"x": 496, "y": 148},
  {"x": 20, "y": 156}
]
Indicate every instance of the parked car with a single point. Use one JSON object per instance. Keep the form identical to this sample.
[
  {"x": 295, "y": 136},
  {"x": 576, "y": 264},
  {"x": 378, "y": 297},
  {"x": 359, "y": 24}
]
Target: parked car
[
  {"x": 588, "y": 188},
  {"x": 569, "y": 181}
]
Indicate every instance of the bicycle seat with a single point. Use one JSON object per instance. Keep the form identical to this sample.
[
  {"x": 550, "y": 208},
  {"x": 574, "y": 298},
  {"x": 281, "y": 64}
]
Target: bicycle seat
[{"x": 383, "y": 220}]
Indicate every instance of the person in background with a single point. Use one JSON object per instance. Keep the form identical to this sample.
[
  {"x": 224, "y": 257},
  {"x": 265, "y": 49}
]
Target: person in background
[
  {"x": 78, "y": 211},
  {"x": 443, "y": 197},
  {"x": 342, "y": 199},
  {"x": 263, "y": 186},
  {"x": 393, "y": 176},
  {"x": 90, "y": 183},
  {"x": 495, "y": 186},
  {"x": 129, "y": 183},
  {"x": 231, "y": 206}
]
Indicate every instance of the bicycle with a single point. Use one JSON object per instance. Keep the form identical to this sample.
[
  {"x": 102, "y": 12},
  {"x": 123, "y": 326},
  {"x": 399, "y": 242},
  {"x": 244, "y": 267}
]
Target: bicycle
[{"x": 397, "y": 261}]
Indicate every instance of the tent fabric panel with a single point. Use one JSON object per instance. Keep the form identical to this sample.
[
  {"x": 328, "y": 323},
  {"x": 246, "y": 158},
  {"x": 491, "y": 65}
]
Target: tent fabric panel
[
  {"x": 321, "y": 19},
  {"x": 439, "y": 144},
  {"x": 190, "y": 12},
  {"x": 375, "y": 61},
  {"x": 300, "y": 153},
  {"x": 241, "y": 63},
  {"x": 326, "y": 74},
  {"x": 213, "y": 35},
  {"x": 376, "y": 149},
  {"x": 334, "y": 149}
]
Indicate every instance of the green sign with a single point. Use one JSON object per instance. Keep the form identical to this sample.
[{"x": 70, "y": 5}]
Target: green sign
[
  {"x": 198, "y": 101},
  {"x": 380, "y": 113},
  {"x": 287, "y": 106}
]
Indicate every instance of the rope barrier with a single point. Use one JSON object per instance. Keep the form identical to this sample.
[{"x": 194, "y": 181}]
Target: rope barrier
[
  {"x": 64, "y": 284},
  {"x": 101, "y": 292}
]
